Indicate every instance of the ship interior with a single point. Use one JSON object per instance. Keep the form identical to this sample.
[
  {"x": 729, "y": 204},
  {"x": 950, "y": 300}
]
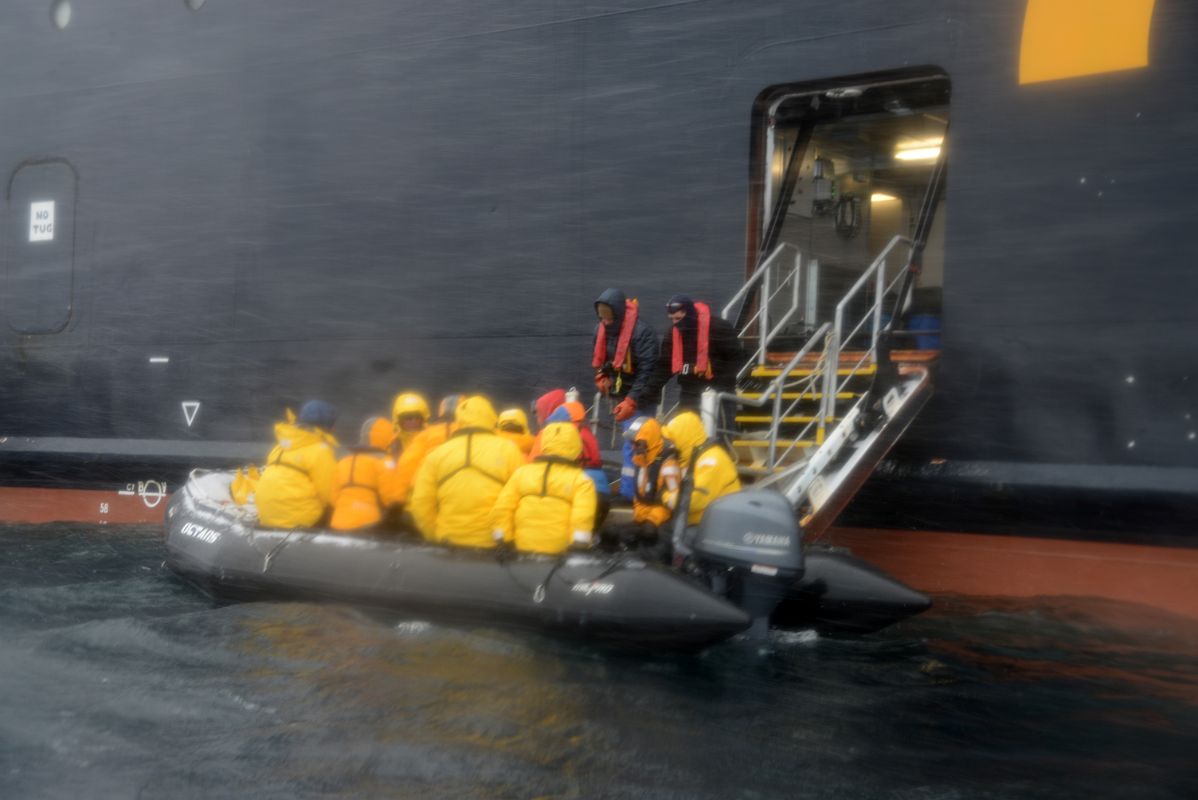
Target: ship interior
[{"x": 845, "y": 169}]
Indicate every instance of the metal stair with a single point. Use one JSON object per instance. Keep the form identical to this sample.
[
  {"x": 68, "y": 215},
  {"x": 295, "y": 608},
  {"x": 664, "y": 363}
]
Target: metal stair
[{"x": 814, "y": 423}]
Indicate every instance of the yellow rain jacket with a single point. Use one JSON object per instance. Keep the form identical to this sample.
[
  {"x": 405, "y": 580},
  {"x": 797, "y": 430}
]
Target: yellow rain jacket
[
  {"x": 356, "y": 500},
  {"x": 456, "y": 487},
  {"x": 714, "y": 473},
  {"x": 548, "y": 504},
  {"x": 297, "y": 482},
  {"x": 657, "y": 475},
  {"x": 513, "y": 425}
]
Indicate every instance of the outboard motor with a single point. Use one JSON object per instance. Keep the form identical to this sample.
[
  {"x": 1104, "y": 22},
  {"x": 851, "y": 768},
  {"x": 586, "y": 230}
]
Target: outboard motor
[{"x": 750, "y": 548}]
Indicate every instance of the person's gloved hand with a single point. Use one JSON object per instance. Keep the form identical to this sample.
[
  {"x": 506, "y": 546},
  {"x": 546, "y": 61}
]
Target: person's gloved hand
[
  {"x": 504, "y": 552},
  {"x": 602, "y": 382},
  {"x": 626, "y": 410}
]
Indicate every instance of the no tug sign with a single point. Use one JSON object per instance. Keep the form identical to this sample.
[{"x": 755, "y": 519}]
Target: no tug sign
[{"x": 41, "y": 221}]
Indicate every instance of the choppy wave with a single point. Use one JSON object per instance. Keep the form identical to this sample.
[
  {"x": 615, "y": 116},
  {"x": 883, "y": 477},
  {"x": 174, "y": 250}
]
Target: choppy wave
[{"x": 118, "y": 680}]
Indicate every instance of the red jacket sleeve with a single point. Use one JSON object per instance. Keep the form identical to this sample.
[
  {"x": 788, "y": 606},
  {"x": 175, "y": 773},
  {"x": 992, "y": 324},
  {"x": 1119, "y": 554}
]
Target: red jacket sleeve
[{"x": 590, "y": 449}]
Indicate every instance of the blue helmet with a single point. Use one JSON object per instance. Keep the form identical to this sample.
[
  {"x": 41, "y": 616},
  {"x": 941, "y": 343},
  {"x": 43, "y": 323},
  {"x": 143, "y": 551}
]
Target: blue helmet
[{"x": 318, "y": 414}]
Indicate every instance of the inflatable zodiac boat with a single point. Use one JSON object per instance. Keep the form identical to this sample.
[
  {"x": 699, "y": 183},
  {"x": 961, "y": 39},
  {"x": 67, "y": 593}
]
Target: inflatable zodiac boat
[{"x": 746, "y": 571}]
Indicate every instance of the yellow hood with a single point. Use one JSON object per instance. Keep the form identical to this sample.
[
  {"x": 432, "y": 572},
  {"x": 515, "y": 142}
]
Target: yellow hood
[
  {"x": 291, "y": 436},
  {"x": 475, "y": 411},
  {"x": 377, "y": 434},
  {"x": 561, "y": 439},
  {"x": 649, "y": 432},
  {"x": 515, "y": 415},
  {"x": 409, "y": 403},
  {"x": 686, "y": 432}
]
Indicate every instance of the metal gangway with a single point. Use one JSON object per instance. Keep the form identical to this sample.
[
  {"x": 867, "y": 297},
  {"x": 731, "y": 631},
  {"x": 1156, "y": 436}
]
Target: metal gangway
[{"x": 815, "y": 423}]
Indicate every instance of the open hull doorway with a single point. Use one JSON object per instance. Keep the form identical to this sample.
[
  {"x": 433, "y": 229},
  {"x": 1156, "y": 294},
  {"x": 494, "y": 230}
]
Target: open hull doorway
[{"x": 841, "y": 168}]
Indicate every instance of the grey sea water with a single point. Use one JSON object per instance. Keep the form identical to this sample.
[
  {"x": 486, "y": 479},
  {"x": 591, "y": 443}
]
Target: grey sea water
[{"x": 119, "y": 680}]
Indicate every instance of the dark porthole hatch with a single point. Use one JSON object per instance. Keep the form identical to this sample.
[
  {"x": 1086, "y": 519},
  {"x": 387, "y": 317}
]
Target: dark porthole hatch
[{"x": 39, "y": 252}]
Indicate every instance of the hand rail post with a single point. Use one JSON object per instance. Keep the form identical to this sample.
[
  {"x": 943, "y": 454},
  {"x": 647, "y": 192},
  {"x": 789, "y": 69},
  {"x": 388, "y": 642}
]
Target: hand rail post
[
  {"x": 832, "y": 366},
  {"x": 879, "y": 288},
  {"x": 795, "y": 275},
  {"x": 777, "y": 423},
  {"x": 812, "y": 312},
  {"x": 709, "y": 406},
  {"x": 764, "y": 327},
  {"x": 595, "y": 413}
]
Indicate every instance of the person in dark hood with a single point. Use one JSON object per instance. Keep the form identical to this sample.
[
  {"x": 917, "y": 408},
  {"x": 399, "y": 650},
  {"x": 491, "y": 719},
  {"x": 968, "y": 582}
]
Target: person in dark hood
[
  {"x": 702, "y": 351},
  {"x": 624, "y": 358}
]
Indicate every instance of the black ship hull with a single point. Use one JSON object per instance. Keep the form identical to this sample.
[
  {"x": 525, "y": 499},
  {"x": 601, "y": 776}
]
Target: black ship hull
[{"x": 261, "y": 203}]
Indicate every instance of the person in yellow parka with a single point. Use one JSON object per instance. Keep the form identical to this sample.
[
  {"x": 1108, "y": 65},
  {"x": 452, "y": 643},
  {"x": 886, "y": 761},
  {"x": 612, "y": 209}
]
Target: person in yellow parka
[
  {"x": 356, "y": 500},
  {"x": 513, "y": 425},
  {"x": 456, "y": 486},
  {"x": 297, "y": 483},
  {"x": 409, "y": 415},
  {"x": 657, "y": 474},
  {"x": 549, "y": 504},
  {"x": 704, "y": 460},
  {"x": 397, "y": 488}
]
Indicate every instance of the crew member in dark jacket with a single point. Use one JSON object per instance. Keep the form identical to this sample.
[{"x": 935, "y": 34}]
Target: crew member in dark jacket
[
  {"x": 624, "y": 358},
  {"x": 702, "y": 350}
]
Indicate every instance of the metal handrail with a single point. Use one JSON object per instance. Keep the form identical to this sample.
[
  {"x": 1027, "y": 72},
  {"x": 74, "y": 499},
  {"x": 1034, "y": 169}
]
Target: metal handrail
[
  {"x": 877, "y": 273},
  {"x": 876, "y": 311},
  {"x": 775, "y": 390},
  {"x": 806, "y": 384},
  {"x": 792, "y": 278},
  {"x": 759, "y": 356},
  {"x": 752, "y": 281},
  {"x": 824, "y": 377},
  {"x": 771, "y": 282}
]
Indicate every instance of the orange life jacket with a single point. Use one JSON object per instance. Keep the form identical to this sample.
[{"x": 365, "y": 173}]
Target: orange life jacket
[
  {"x": 702, "y": 366},
  {"x": 356, "y": 502},
  {"x": 621, "y": 361},
  {"x": 396, "y": 484}
]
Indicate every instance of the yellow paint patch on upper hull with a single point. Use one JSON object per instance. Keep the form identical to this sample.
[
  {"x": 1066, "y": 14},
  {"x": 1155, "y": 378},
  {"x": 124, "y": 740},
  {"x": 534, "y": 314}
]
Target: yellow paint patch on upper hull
[{"x": 1070, "y": 38}]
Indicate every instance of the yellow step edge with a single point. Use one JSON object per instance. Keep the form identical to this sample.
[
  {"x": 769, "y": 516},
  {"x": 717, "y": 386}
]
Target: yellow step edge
[
  {"x": 783, "y": 444},
  {"x": 802, "y": 396},
  {"x": 803, "y": 372},
  {"x": 785, "y": 420}
]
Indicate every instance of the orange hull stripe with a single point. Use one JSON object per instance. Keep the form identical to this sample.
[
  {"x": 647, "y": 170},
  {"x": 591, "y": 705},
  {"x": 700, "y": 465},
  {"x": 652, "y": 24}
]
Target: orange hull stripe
[
  {"x": 1018, "y": 566},
  {"x": 79, "y": 505}
]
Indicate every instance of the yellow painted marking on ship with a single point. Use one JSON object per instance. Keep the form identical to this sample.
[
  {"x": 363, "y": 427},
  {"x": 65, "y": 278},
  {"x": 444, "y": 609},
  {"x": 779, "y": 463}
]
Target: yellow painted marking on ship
[{"x": 1071, "y": 38}]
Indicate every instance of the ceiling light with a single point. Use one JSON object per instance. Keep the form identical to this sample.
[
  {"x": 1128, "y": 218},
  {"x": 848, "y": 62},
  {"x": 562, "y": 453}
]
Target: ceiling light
[
  {"x": 881, "y": 197},
  {"x": 926, "y": 141},
  {"x": 926, "y": 149},
  {"x": 918, "y": 154}
]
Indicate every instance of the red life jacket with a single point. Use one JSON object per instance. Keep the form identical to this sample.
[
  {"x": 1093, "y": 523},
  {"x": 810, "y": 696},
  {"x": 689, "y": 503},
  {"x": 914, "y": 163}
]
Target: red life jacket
[
  {"x": 702, "y": 366},
  {"x": 621, "y": 360}
]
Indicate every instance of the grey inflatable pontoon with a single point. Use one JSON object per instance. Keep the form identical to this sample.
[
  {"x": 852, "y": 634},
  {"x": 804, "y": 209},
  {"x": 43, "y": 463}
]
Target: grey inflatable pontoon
[
  {"x": 619, "y": 598},
  {"x": 214, "y": 543}
]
